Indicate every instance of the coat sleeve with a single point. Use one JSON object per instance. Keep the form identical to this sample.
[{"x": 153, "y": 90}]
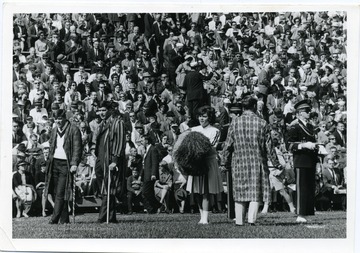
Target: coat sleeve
[
  {"x": 117, "y": 140},
  {"x": 77, "y": 147},
  {"x": 228, "y": 145},
  {"x": 292, "y": 139}
]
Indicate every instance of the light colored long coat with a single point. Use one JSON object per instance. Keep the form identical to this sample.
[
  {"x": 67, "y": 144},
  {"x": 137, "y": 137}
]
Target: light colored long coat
[{"x": 247, "y": 147}]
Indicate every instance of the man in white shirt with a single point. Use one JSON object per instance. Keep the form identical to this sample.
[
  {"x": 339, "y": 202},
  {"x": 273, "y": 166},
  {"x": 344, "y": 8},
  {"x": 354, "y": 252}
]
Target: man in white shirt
[{"x": 38, "y": 112}]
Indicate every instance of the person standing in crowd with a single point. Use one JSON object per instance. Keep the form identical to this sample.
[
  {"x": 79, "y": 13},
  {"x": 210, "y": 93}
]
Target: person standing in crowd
[
  {"x": 110, "y": 152},
  {"x": 195, "y": 92},
  {"x": 64, "y": 157},
  {"x": 301, "y": 141},
  {"x": 248, "y": 146},
  {"x": 149, "y": 175}
]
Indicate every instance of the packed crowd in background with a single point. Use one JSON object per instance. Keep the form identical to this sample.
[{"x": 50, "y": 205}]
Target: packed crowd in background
[{"x": 147, "y": 65}]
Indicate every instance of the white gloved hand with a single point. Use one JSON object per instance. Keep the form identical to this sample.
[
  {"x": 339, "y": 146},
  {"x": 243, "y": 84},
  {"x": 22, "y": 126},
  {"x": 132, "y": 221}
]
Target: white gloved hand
[{"x": 308, "y": 145}]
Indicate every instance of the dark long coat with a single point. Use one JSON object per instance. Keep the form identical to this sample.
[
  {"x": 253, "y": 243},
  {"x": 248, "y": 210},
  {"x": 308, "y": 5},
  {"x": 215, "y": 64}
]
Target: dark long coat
[{"x": 73, "y": 149}]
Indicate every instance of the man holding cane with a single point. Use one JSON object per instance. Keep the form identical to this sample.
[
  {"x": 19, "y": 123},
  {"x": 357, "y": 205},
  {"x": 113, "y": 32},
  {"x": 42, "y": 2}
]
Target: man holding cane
[
  {"x": 302, "y": 143},
  {"x": 64, "y": 158},
  {"x": 109, "y": 165}
]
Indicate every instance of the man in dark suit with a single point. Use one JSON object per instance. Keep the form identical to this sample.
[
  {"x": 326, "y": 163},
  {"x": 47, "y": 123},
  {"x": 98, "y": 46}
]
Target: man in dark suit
[
  {"x": 149, "y": 175},
  {"x": 64, "y": 157},
  {"x": 65, "y": 32},
  {"x": 301, "y": 141},
  {"x": 331, "y": 183},
  {"x": 340, "y": 135},
  {"x": 175, "y": 58},
  {"x": 56, "y": 47},
  {"x": 95, "y": 53},
  {"x": 17, "y": 135},
  {"x": 195, "y": 92}
]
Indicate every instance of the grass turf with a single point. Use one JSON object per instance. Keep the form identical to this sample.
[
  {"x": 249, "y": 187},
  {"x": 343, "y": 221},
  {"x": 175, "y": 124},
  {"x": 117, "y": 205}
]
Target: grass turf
[{"x": 272, "y": 225}]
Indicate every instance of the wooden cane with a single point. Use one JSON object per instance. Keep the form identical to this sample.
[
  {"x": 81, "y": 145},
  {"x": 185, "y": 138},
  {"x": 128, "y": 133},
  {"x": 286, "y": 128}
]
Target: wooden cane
[
  {"x": 108, "y": 199},
  {"x": 74, "y": 189}
]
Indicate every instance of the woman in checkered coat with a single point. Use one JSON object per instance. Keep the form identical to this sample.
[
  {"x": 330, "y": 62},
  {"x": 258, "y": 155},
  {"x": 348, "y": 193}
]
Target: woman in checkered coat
[{"x": 248, "y": 147}]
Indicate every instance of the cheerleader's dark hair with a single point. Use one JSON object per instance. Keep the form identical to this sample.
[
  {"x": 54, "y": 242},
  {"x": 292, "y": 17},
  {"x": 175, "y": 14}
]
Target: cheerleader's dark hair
[{"x": 209, "y": 111}]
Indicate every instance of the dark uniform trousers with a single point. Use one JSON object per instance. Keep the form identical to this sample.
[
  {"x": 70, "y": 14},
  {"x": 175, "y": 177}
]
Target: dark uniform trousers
[
  {"x": 60, "y": 171},
  {"x": 305, "y": 190}
]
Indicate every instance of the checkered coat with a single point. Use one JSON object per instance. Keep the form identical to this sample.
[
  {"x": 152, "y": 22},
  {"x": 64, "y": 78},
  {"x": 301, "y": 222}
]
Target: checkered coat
[{"x": 248, "y": 147}]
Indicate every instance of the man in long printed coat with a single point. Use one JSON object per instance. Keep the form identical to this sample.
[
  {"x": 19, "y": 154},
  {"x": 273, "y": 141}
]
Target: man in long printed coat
[
  {"x": 110, "y": 153},
  {"x": 64, "y": 157},
  {"x": 248, "y": 147}
]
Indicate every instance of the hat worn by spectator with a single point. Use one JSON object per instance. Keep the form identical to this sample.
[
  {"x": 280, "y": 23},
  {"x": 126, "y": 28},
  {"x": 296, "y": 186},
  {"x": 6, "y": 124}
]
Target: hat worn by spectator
[
  {"x": 132, "y": 86},
  {"x": 174, "y": 125},
  {"x": 20, "y": 102},
  {"x": 303, "y": 104},
  {"x": 180, "y": 194},
  {"x": 22, "y": 164},
  {"x": 60, "y": 58},
  {"x": 20, "y": 154},
  {"x": 179, "y": 44}
]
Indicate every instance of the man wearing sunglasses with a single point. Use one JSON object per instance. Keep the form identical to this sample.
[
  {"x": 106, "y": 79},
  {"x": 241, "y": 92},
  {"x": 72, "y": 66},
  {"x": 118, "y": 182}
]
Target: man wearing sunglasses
[{"x": 302, "y": 143}]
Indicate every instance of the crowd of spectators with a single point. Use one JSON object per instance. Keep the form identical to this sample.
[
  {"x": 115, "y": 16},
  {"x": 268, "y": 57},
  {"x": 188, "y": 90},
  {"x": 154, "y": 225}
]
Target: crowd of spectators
[{"x": 142, "y": 63}]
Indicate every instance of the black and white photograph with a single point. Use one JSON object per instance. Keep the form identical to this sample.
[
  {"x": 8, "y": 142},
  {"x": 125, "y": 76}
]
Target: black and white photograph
[{"x": 181, "y": 125}]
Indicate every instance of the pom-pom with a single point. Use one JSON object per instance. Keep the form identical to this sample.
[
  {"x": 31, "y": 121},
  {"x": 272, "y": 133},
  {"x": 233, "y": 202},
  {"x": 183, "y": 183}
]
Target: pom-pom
[{"x": 190, "y": 151}]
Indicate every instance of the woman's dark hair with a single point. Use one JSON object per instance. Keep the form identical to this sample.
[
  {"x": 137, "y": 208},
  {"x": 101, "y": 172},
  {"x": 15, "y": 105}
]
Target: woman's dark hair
[{"x": 209, "y": 111}]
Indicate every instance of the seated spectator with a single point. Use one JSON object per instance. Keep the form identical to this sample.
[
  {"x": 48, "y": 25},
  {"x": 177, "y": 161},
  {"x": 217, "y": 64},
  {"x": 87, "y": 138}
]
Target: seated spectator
[
  {"x": 331, "y": 144},
  {"x": 179, "y": 181},
  {"x": 134, "y": 186},
  {"x": 40, "y": 186},
  {"x": 163, "y": 186},
  {"x": 134, "y": 160},
  {"x": 83, "y": 176},
  {"x": 23, "y": 190},
  {"x": 331, "y": 180}
]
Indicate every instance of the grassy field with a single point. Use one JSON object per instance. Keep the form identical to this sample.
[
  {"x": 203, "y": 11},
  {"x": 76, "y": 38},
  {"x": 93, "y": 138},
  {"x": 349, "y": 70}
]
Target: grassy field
[{"x": 272, "y": 225}]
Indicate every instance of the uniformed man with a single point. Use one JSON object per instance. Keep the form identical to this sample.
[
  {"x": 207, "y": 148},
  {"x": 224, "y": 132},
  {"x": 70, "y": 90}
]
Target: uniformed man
[{"x": 301, "y": 141}]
